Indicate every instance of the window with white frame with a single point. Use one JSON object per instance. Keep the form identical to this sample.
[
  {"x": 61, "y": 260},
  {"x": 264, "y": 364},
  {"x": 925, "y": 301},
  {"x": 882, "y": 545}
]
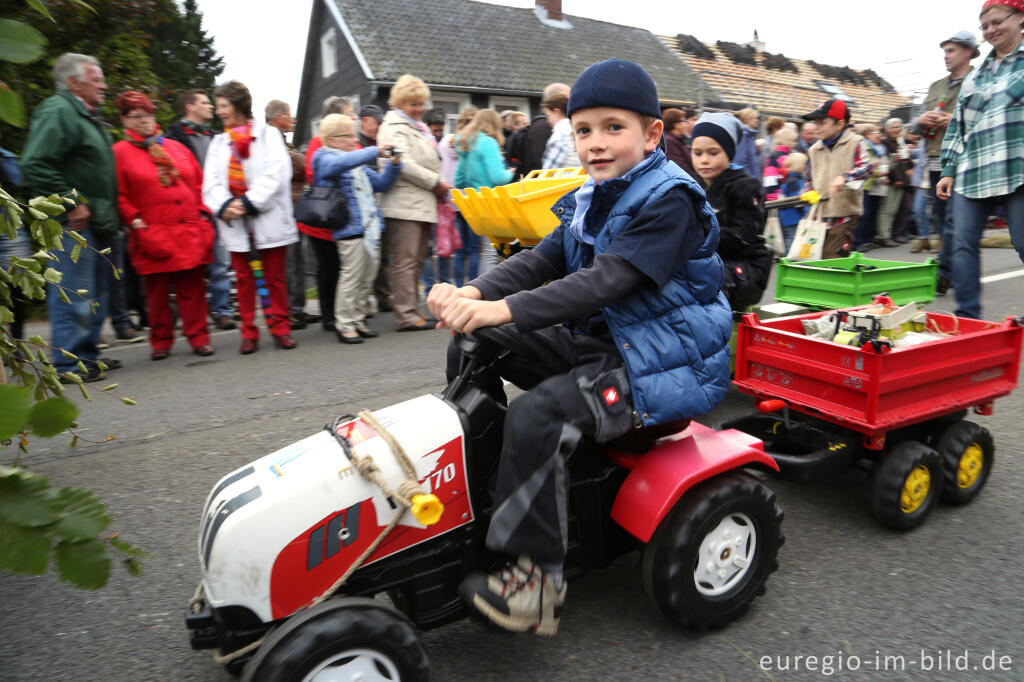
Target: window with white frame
[
  {"x": 329, "y": 52},
  {"x": 453, "y": 103},
  {"x": 501, "y": 103}
]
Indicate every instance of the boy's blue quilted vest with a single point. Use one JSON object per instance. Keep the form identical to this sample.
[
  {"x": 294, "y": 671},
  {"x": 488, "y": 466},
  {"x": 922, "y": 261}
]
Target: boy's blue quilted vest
[{"x": 675, "y": 341}]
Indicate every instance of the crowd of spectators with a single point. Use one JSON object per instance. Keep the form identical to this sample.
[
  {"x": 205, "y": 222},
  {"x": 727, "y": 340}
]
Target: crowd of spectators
[{"x": 183, "y": 212}]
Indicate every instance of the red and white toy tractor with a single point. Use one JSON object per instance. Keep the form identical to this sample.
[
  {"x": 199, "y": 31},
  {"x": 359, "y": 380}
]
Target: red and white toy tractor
[{"x": 293, "y": 553}]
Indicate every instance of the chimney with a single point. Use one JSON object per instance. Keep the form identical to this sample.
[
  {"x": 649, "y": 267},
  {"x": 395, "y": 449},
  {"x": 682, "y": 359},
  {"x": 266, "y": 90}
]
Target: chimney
[
  {"x": 756, "y": 44},
  {"x": 553, "y": 8}
]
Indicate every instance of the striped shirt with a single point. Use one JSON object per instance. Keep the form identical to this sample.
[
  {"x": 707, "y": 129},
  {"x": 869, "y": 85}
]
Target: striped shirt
[{"x": 984, "y": 144}]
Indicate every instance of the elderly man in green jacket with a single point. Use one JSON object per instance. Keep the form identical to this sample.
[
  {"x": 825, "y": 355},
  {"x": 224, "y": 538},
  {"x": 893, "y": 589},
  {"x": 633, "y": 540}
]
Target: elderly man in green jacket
[{"x": 69, "y": 148}]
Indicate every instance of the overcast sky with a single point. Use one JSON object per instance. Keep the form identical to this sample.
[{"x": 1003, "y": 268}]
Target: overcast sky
[{"x": 263, "y": 42}]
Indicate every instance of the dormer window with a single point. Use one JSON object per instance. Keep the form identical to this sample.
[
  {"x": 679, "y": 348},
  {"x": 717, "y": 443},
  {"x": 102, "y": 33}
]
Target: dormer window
[
  {"x": 833, "y": 91},
  {"x": 329, "y": 53}
]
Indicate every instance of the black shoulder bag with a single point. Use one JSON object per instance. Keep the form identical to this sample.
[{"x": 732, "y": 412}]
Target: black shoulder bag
[{"x": 322, "y": 206}]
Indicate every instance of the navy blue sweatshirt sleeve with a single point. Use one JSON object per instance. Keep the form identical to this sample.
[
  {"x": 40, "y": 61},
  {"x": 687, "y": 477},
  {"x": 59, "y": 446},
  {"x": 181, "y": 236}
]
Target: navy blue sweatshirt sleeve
[
  {"x": 647, "y": 252},
  {"x": 575, "y": 296},
  {"x": 526, "y": 270}
]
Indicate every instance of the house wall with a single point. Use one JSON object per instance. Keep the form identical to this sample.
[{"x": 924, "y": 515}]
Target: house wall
[{"x": 347, "y": 81}]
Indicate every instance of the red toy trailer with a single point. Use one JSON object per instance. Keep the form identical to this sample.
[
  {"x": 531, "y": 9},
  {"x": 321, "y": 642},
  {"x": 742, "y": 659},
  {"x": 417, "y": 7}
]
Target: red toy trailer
[{"x": 900, "y": 408}]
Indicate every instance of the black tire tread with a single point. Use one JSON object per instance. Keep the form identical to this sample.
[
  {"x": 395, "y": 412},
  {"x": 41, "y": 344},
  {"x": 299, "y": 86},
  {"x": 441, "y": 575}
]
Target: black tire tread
[
  {"x": 351, "y": 622},
  {"x": 889, "y": 478},
  {"x": 687, "y": 518},
  {"x": 951, "y": 446}
]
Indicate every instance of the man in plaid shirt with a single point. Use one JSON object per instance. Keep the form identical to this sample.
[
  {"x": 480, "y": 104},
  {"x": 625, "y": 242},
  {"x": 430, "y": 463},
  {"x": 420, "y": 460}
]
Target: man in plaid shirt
[
  {"x": 983, "y": 152},
  {"x": 560, "y": 151}
]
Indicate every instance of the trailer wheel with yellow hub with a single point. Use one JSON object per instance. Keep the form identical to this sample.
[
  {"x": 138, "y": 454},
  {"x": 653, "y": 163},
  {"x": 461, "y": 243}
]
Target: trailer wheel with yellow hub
[
  {"x": 907, "y": 485},
  {"x": 967, "y": 453}
]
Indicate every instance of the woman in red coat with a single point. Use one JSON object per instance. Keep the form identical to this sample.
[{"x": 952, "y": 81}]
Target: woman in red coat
[{"x": 170, "y": 240}]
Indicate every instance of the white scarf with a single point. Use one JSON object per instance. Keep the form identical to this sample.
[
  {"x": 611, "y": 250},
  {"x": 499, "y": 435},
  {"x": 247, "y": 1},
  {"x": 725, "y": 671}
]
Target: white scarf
[{"x": 363, "y": 192}]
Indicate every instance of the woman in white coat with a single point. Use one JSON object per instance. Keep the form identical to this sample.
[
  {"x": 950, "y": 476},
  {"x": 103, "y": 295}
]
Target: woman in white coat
[
  {"x": 247, "y": 185},
  {"x": 410, "y": 206}
]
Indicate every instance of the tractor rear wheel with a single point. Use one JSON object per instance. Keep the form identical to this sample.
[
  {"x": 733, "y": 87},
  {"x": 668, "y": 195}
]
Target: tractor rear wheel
[{"x": 713, "y": 553}]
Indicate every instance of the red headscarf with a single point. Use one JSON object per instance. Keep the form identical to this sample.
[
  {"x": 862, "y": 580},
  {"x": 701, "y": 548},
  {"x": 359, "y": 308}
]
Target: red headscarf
[
  {"x": 131, "y": 100},
  {"x": 1012, "y": 4}
]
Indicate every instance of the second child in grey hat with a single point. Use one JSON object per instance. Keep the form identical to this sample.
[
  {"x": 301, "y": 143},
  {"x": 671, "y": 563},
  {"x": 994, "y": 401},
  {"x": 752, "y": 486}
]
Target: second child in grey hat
[{"x": 721, "y": 127}]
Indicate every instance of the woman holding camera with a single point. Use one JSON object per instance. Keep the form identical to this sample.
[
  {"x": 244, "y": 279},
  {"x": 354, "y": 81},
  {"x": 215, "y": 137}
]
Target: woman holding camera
[
  {"x": 339, "y": 163},
  {"x": 410, "y": 206}
]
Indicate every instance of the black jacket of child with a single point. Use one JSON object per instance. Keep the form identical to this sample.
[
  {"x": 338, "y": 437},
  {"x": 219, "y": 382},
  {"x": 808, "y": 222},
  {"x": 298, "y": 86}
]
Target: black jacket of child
[{"x": 736, "y": 198}]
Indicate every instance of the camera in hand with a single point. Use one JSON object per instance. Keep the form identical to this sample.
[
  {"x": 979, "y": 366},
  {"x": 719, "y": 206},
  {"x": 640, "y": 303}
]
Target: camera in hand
[{"x": 395, "y": 151}]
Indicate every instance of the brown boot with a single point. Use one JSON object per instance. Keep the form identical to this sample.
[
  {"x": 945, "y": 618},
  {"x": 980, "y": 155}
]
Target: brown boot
[{"x": 919, "y": 245}]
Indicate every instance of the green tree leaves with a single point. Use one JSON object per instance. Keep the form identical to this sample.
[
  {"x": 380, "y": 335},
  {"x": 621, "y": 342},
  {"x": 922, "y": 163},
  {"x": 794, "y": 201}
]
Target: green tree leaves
[
  {"x": 84, "y": 564},
  {"x": 15, "y": 402},
  {"x": 19, "y": 42},
  {"x": 49, "y": 417},
  {"x": 38, "y": 522},
  {"x": 156, "y": 46}
]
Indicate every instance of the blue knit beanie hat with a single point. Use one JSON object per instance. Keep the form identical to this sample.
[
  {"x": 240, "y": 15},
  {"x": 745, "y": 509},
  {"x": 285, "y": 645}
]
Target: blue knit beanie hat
[
  {"x": 615, "y": 83},
  {"x": 723, "y": 128}
]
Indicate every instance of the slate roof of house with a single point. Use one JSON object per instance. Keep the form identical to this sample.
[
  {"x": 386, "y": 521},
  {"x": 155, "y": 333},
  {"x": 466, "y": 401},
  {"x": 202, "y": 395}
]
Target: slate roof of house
[
  {"x": 743, "y": 78},
  {"x": 475, "y": 44}
]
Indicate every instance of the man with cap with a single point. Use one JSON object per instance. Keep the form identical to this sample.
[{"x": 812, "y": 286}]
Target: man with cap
[
  {"x": 370, "y": 117},
  {"x": 958, "y": 50},
  {"x": 839, "y": 157}
]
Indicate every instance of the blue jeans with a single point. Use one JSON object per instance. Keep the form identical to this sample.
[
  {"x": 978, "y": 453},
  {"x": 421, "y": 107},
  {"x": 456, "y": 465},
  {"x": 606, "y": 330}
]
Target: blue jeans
[
  {"x": 9, "y": 248},
  {"x": 76, "y": 327},
  {"x": 466, "y": 259},
  {"x": 969, "y": 219},
  {"x": 865, "y": 233},
  {"x": 435, "y": 268},
  {"x": 117, "y": 301},
  {"x": 788, "y": 232},
  {"x": 295, "y": 274},
  {"x": 943, "y": 226},
  {"x": 220, "y": 283},
  {"x": 920, "y": 213}
]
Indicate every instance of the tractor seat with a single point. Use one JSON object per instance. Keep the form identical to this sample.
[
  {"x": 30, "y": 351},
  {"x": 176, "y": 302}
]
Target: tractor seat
[{"x": 640, "y": 440}]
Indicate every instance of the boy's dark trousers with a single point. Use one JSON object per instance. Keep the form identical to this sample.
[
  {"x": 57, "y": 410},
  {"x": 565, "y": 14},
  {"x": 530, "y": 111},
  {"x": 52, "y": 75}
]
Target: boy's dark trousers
[{"x": 543, "y": 428}]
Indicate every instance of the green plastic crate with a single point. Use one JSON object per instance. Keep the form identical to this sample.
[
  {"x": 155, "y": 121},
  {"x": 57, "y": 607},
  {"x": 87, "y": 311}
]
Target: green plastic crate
[{"x": 854, "y": 280}]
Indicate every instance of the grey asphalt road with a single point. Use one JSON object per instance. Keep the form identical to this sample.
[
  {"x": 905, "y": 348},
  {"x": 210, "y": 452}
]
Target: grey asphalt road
[{"x": 848, "y": 592}]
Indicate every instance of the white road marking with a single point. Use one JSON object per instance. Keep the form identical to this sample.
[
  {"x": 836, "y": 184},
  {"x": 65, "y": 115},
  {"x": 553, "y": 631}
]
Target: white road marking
[{"x": 1002, "y": 276}]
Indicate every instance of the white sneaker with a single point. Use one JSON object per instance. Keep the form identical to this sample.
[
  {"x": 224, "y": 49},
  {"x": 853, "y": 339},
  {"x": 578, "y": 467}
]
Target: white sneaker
[{"x": 520, "y": 598}]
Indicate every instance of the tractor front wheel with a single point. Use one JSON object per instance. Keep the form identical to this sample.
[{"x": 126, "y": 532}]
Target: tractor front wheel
[{"x": 341, "y": 639}]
